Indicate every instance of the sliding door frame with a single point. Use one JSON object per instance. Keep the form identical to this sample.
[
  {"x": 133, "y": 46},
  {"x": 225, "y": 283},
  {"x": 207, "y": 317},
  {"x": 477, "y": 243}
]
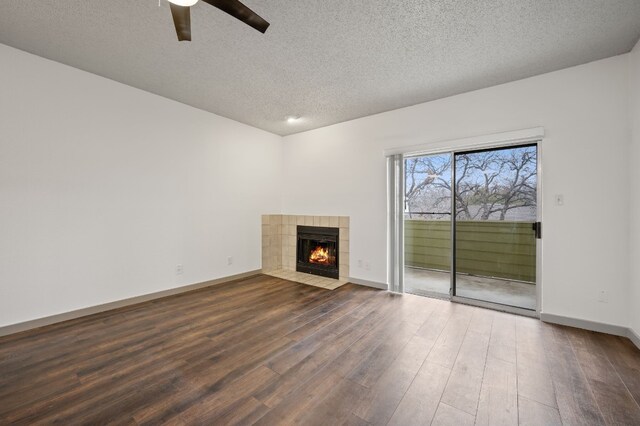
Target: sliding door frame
[{"x": 535, "y": 141}]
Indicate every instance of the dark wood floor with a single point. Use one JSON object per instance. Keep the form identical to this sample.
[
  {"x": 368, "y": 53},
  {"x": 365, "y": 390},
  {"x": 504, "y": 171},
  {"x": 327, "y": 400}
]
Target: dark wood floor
[{"x": 268, "y": 351}]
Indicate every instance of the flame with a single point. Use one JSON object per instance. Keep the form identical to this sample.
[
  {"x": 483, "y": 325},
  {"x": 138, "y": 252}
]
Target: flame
[{"x": 320, "y": 255}]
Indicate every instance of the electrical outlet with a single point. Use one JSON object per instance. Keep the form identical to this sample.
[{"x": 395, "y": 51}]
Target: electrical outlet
[
  {"x": 230, "y": 260},
  {"x": 359, "y": 263},
  {"x": 559, "y": 200},
  {"x": 367, "y": 266},
  {"x": 179, "y": 270},
  {"x": 603, "y": 297}
]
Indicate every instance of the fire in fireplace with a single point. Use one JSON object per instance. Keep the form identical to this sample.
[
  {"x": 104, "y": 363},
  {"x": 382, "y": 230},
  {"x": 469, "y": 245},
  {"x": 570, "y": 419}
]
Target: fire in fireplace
[
  {"x": 320, "y": 256},
  {"x": 317, "y": 251}
]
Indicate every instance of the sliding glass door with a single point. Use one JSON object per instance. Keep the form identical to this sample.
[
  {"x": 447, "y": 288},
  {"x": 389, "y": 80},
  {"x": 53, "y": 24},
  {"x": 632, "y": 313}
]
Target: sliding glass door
[
  {"x": 479, "y": 244},
  {"x": 495, "y": 225}
]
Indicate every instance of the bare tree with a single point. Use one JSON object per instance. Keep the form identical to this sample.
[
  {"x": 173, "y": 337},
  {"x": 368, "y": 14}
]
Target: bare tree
[
  {"x": 427, "y": 188},
  {"x": 489, "y": 184}
]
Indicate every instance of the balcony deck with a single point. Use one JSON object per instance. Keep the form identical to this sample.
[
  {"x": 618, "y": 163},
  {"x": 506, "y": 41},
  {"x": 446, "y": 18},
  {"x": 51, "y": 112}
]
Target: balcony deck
[{"x": 428, "y": 282}]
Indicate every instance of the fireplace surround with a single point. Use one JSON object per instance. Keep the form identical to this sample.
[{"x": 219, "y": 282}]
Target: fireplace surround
[{"x": 280, "y": 248}]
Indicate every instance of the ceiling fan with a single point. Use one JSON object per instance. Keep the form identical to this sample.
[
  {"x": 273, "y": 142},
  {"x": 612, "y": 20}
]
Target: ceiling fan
[{"x": 181, "y": 12}]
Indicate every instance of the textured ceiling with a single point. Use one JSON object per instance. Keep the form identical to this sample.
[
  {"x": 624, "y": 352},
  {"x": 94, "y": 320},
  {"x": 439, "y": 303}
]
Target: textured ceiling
[{"x": 325, "y": 60}]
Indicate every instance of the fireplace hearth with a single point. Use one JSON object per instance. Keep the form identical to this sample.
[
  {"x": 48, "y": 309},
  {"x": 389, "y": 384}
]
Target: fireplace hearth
[{"x": 317, "y": 251}]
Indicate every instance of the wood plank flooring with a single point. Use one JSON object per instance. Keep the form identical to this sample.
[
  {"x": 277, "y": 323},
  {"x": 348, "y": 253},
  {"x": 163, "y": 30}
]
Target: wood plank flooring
[{"x": 267, "y": 351}]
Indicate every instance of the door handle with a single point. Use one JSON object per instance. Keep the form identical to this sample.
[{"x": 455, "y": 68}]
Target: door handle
[{"x": 537, "y": 229}]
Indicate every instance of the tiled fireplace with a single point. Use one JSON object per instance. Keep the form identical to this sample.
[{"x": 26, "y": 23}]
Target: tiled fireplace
[{"x": 312, "y": 250}]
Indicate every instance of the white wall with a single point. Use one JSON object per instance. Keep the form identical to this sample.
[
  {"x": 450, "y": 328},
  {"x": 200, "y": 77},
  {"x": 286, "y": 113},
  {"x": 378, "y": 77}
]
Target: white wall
[
  {"x": 585, "y": 113},
  {"x": 104, "y": 189},
  {"x": 634, "y": 158}
]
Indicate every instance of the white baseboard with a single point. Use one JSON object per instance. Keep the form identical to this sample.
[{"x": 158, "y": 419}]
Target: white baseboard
[
  {"x": 616, "y": 330},
  {"x": 600, "y": 327},
  {"x": 634, "y": 337},
  {"x": 374, "y": 284},
  {"x": 41, "y": 322}
]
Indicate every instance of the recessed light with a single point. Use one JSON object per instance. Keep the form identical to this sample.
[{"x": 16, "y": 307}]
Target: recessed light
[{"x": 293, "y": 119}]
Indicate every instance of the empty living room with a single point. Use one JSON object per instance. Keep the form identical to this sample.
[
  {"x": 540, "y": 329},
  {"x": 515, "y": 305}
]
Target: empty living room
[{"x": 278, "y": 212}]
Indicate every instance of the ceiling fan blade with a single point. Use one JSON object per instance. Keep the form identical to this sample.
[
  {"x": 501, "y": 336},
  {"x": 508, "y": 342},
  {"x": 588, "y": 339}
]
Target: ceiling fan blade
[
  {"x": 182, "y": 21},
  {"x": 241, "y": 12}
]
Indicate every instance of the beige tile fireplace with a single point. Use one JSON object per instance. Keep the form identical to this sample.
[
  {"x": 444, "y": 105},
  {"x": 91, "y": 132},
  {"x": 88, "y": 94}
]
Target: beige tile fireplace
[{"x": 279, "y": 248}]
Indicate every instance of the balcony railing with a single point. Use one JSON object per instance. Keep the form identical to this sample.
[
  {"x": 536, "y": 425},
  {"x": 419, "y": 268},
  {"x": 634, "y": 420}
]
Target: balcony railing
[{"x": 500, "y": 249}]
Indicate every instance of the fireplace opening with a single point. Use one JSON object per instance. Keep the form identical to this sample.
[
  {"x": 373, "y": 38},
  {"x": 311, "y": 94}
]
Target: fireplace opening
[{"x": 317, "y": 251}]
